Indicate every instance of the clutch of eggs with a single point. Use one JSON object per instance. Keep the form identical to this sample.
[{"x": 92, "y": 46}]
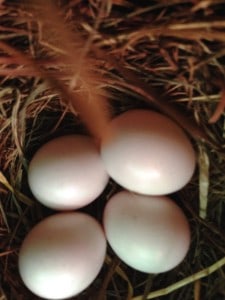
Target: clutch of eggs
[
  {"x": 147, "y": 153},
  {"x": 67, "y": 172},
  {"x": 62, "y": 255},
  {"x": 149, "y": 233},
  {"x": 143, "y": 151}
]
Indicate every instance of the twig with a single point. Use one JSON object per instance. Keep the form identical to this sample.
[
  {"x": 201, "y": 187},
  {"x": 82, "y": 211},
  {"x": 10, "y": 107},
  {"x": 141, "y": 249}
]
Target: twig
[{"x": 201, "y": 274}]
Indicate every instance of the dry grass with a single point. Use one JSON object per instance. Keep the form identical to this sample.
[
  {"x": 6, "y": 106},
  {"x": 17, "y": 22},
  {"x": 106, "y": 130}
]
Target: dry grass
[{"x": 68, "y": 72}]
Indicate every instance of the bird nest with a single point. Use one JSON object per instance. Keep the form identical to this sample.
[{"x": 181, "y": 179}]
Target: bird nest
[{"x": 69, "y": 66}]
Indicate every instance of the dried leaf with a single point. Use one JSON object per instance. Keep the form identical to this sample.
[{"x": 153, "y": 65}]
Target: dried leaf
[
  {"x": 5, "y": 182},
  {"x": 203, "y": 162}
]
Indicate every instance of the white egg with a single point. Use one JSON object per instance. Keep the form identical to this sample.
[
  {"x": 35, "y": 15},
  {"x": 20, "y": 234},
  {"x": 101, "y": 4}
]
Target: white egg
[
  {"x": 67, "y": 173},
  {"x": 147, "y": 153},
  {"x": 62, "y": 255},
  {"x": 149, "y": 233}
]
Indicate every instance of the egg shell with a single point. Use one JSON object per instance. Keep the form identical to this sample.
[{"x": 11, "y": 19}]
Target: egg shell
[
  {"x": 67, "y": 173},
  {"x": 148, "y": 153},
  {"x": 149, "y": 233},
  {"x": 62, "y": 255}
]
